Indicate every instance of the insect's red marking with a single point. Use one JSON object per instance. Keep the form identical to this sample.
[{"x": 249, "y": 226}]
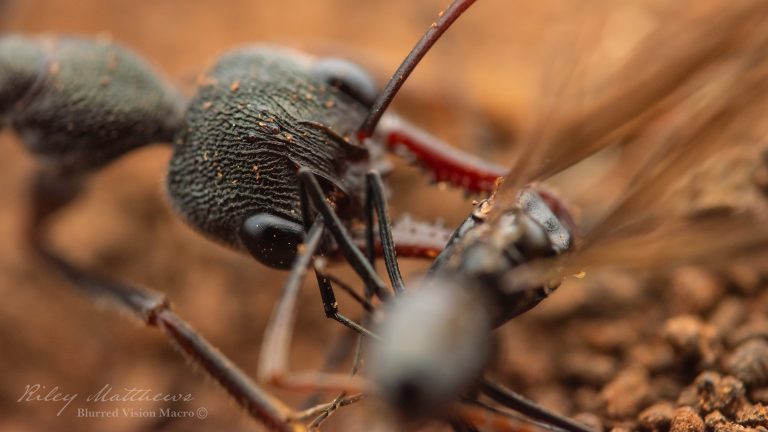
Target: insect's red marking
[
  {"x": 445, "y": 163},
  {"x": 558, "y": 206},
  {"x": 413, "y": 239}
]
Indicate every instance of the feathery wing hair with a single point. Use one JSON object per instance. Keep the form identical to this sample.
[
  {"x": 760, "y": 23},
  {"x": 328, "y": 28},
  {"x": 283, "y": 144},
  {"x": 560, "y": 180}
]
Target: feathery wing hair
[
  {"x": 696, "y": 88},
  {"x": 679, "y": 49}
]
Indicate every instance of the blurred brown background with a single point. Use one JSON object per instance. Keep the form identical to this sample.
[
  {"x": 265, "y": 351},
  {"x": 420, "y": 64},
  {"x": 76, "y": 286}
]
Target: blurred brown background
[{"x": 474, "y": 89}]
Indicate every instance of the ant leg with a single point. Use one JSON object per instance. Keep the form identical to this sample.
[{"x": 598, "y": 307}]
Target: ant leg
[
  {"x": 274, "y": 353},
  {"x": 445, "y": 163},
  {"x": 51, "y": 192},
  {"x": 376, "y": 202},
  {"x": 310, "y": 192}
]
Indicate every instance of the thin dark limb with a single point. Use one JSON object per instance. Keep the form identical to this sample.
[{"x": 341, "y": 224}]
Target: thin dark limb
[
  {"x": 273, "y": 365},
  {"x": 516, "y": 416},
  {"x": 366, "y": 304},
  {"x": 310, "y": 191},
  {"x": 341, "y": 401},
  {"x": 529, "y": 408},
  {"x": 331, "y": 306},
  {"x": 375, "y": 201},
  {"x": 52, "y": 192},
  {"x": 409, "y": 64}
]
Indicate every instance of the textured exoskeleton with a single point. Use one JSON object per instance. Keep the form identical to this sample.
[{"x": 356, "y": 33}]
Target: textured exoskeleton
[
  {"x": 80, "y": 103},
  {"x": 261, "y": 114}
]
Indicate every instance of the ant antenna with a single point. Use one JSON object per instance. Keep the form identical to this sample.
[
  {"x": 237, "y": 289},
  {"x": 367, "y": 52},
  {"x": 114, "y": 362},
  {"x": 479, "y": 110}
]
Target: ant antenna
[{"x": 434, "y": 32}]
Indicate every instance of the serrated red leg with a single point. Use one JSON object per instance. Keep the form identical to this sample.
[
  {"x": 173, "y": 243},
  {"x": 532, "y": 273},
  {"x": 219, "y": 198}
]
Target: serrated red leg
[{"x": 444, "y": 163}]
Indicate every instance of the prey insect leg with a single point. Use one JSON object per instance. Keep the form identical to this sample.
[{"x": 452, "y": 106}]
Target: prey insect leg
[{"x": 528, "y": 408}]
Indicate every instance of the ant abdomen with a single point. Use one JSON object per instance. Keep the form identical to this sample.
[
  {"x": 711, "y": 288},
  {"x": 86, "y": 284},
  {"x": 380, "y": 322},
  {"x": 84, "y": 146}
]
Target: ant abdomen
[{"x": 78, "y": 103}]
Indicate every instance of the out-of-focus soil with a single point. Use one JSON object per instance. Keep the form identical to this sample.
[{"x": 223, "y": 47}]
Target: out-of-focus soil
[{"x": 610, "y": 346}]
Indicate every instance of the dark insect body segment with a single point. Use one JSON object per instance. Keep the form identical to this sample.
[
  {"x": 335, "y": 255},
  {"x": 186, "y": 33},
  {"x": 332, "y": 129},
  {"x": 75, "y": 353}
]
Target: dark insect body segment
[
  {"x": 264, "y": 113},
  {"x": 78, "y": 103},
  {"x": 488, "y": 250},
  {"x": 423, "y": 364}
]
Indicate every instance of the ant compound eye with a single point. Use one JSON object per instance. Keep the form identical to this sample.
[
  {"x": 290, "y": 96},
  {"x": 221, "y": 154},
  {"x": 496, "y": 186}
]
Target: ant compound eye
[
  {"x": 347, "y": 77},
  {"x": 271, "y": 239}
]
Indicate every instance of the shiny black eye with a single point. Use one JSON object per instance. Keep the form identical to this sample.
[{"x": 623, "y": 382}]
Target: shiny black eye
[
  {"x": 271, "y": 239},
  {"x": 347, "y": 77}
]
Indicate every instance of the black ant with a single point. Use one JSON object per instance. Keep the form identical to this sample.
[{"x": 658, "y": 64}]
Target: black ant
[{"x": 269, "y": 133}]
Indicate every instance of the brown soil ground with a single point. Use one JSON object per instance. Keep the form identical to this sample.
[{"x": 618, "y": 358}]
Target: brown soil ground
[{"x": 615, "y": 349}]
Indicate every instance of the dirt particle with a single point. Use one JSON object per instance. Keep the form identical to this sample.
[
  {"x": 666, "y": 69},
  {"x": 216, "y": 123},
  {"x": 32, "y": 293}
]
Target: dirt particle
[
  {"x": 626, "y": 394},
  {"x": 686, "y": 420},
  {"x": 656, "y": 356},
  {"x": 692, "y": 339},
  {"x": 588, "y": 368},
  {"x": 657, "y": 417},
  {"x": 753, "y": 415},
  {"x": 728, "y": 314},
  {"x": 717, "y": 393},
  {"x": 753, "y": 329},
  {"x": 694, "y": 290},
  {"x": 749, "y": 362}
]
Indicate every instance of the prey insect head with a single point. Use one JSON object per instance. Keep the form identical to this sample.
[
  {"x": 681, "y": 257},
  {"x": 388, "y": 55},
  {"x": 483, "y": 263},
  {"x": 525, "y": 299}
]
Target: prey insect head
[{"x": 524, "y": 232}]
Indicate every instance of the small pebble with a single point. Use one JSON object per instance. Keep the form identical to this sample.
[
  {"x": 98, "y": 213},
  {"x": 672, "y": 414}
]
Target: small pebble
[
  {"x": 752, "y": 329},
  {"x": 753, "y": 415},
  {"x": 685, "y": 419},
  {"x": 692, "y": 339},
  {"x": 588, "y": 368},
  {"x": 717, "y": 393},
  {"x": 657, "y": 417},
  {"x": 693, "y": 290},
  {"x": 626, "y": 394},
  {"x": 749, "y": 362},
  {"x": 728, "y": 315},
  {"x": 745, "y": 279}
]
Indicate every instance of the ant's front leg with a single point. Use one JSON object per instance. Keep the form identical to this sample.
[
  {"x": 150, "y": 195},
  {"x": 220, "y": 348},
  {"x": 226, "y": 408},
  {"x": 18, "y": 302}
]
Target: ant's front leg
[{"x": 51, "y": 192}]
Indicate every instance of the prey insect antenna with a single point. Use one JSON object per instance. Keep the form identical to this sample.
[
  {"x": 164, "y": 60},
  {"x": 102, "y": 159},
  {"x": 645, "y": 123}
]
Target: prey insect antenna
[{"x": 409, "y": 64}]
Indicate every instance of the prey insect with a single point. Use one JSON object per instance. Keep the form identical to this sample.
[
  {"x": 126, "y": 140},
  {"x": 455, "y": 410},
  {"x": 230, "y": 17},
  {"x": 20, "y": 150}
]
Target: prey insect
[
  {"x": 434, "y": 342},
  {"x": 265, "y": 125}
]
